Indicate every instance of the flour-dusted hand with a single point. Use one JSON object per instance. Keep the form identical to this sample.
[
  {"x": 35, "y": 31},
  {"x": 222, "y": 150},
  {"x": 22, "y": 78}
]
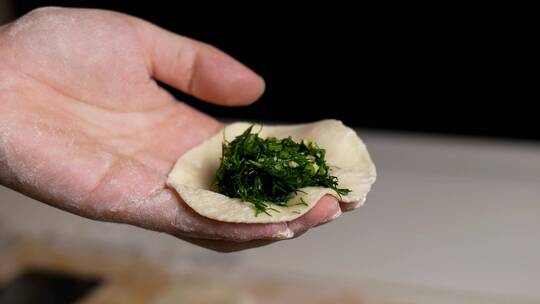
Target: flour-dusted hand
[{"x": 84, "y": 126}]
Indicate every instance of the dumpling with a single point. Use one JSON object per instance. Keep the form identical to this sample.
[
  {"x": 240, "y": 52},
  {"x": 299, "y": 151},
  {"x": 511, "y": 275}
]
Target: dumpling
[{"x": 193, "y": 174}]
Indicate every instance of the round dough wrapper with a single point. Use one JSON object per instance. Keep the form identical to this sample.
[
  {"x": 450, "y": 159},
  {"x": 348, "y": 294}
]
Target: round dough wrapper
[{"x": 193, "y": 174}]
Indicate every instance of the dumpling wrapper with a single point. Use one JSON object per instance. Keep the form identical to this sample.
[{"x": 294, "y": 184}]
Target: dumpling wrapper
[{"x": 194, "y": 172}]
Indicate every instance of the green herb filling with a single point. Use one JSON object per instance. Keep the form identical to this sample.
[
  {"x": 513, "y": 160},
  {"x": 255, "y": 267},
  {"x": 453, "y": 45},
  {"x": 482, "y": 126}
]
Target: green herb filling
[{"x": 269, "y": 171}]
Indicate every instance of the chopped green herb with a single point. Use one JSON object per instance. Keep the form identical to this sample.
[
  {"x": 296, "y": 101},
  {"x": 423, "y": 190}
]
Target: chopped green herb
[{"x": 268, "y": 171}]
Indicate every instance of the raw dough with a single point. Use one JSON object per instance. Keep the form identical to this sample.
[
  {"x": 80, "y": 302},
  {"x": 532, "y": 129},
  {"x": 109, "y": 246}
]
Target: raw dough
[{"x": 346, "y": 154}]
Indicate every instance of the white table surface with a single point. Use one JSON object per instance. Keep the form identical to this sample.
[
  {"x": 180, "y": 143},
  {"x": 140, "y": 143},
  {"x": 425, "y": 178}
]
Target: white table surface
[{"x": 446, "y": 213}]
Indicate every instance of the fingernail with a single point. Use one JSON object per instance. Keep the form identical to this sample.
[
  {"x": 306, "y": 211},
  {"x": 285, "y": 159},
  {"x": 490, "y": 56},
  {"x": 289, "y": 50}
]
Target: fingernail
[
  {"x": 263, "y": 86},
  {"x": 335, "y": 216},
  {"x": 351, "y": 206},
  {"x": 286, "y": 234},
  {"x": 331, "y": 218}
]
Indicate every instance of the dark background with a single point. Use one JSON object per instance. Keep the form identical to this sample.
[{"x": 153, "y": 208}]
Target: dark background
[{"x": 452, "y": 70}]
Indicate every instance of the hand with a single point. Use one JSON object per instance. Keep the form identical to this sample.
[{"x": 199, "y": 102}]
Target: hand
[{"x": 85, "y": 128}]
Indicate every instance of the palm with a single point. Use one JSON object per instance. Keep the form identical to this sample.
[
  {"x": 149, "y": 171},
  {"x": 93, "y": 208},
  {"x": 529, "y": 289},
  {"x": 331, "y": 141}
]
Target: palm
[{"x": 102, "y": 134}]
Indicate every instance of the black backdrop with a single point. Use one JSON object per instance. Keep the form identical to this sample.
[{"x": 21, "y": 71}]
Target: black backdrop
[{"x": 393, "y": 68}]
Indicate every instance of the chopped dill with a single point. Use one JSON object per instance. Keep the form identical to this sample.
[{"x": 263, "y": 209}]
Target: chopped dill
[{"x": 268, "y": 171}]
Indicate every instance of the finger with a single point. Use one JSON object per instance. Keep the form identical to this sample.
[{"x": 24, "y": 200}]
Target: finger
[
  {"x": 197, "y": 68},
  {"x": 227, "y": 246},
  {"x": 326, "y": 210}
]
